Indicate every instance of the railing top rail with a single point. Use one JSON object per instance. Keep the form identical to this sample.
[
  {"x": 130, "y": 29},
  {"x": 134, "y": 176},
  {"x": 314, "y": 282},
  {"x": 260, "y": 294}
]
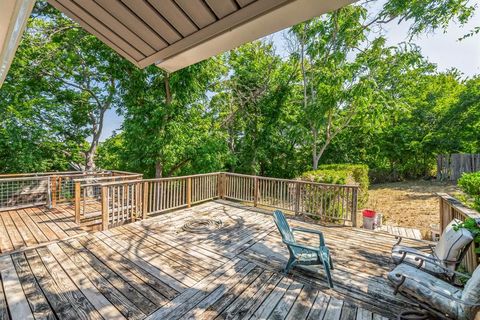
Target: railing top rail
[
  {"x": 106, "y": 178},
  {"x": 39, "y": 174},
  {"x": 353, "y": 186},
  {"x": 51, "y": 174},
  {"x": 153, "y": 180},
  {"x": 457, "y": 205},
  {"x": 183, "y": 177},
  {"x": 125, "y": 173},
  {"x": 113, "y": 183},
  {"x": 24, "y": 179},
  {"x": 294, "y": 180}
]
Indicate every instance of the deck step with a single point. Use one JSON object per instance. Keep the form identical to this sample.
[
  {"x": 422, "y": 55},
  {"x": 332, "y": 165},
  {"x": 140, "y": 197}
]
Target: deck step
[{"x": 401, "y": 231}]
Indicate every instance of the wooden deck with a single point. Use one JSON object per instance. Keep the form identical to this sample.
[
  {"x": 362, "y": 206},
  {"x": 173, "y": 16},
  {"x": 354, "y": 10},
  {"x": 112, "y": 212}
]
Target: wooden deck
[
  {"x": 401, "y": 231},
  {"x": 29, "y": 227},
  {"x": 154, "y": 269}
]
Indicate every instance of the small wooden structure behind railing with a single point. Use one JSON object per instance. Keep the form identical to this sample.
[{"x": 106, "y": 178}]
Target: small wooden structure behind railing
[
  {"x": 126, "y": 201},
  {"x": 451, "y": 208},
  {"x": 88, "y": 191},
  {"x": 47, "y": 188}
]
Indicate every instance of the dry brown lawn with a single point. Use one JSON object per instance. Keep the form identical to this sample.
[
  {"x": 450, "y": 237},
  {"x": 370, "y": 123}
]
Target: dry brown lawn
[{"x": 409, "y": 204}]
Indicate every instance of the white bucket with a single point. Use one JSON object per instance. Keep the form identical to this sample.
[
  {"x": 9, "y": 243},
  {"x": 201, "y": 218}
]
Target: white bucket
[{"x": 369, "y": 223}]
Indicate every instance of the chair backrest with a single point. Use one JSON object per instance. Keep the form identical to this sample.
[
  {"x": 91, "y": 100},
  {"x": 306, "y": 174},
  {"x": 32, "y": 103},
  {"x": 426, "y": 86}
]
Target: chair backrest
[
  {"x": 283, "y": 226},
  {"x": 453, "y": 244}
]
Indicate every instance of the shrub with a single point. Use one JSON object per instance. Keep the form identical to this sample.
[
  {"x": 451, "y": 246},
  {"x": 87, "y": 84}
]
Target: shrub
[
  {"x": 470, "y": 184},
  {"x": 471, "y": 225},
  {"x": 342, "y": 174}
]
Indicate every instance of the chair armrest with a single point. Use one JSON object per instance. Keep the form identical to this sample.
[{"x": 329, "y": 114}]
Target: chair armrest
[
  {"x": 427, "y": 245},
  {"x": 415, "y": 253},
  {"x": 435, "y": 262},
  {"x": 301, "y": 246},
  {"x": 318, "y": 232}
]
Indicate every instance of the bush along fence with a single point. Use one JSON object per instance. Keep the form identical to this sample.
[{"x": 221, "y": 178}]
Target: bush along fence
[
  {"x": 342, "y": 174},
  {"x": 126, "y": 201},
  {"x": 452, "y": 166}
]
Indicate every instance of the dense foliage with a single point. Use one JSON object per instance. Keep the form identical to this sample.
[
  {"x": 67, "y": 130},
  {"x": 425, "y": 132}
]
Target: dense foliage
[
  {"x": 473, "y": 226},
  {"x": 340, "y": 95},
  {"x": 342, "y": 174},
  {"x": 470, "y": 184}
]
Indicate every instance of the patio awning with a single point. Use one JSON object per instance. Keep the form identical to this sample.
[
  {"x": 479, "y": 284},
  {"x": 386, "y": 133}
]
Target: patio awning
[
  {"x": 174, "y": 34},
  {"x": 171, "y": 34}
]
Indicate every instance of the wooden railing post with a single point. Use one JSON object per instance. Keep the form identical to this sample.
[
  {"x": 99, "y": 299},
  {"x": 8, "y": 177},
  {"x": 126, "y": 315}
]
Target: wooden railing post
[
  {"x": 297, "y": 198},
  {"x": 221, "y": 185},
  {"x": 104, "y": 208},
  {"x": 440, "y": 212},
  {"x": 77, "y": 202},
  {"x": 255, "y": 192},
  {"x": 53, "y": 186},
  {"x": 145, "y": 200},
  {"x": 189, "y": 192},
  {"x": 354, "y": 207}
]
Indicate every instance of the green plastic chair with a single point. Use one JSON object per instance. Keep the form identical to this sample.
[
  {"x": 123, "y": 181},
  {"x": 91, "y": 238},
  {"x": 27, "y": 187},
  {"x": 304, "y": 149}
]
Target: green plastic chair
[{"x": 302, "y": 254}]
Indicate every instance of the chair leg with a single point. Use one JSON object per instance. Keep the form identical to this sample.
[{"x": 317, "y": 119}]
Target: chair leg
[
  {"x": 290, "y": 264},
  {"x": 326, "y": 266},
  {"x": 330, "y": 261}
]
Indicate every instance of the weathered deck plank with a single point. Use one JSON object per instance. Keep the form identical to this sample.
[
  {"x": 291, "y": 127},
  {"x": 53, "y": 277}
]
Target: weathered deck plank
[
  {"x": 154, "y": 269},
  {"x": 24, "y": 228}
]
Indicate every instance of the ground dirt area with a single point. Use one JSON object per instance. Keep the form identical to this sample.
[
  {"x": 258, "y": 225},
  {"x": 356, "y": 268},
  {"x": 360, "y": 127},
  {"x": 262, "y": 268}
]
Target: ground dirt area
[{"x": 410, "y": 203}]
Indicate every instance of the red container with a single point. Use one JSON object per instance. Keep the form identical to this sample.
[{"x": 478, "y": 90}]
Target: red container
[{"x": 368, "y": 213}]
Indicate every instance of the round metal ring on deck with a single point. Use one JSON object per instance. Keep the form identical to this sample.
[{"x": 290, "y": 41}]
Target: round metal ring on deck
[{"x": 202, "y": 225}]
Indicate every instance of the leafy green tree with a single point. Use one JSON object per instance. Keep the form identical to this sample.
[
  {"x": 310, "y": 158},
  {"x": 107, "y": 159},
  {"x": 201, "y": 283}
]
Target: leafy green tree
[
  {"x": 426, "y": 15},
  {"x": 168, "y": 128},
  {"x": 68, "y": 70},
  {"x": 253, "y": 103}
]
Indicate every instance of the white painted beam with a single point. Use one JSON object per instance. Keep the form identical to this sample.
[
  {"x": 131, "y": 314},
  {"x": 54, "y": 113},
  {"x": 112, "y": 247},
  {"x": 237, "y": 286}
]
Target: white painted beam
[{"x": 13, "y": 19}]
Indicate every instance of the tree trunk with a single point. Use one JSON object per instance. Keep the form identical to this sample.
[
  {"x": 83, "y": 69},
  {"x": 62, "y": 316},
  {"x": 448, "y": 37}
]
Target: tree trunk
[
  {"x": 90, "y": 157},
  {"x": 158, "y": 169},
  {"x": 168, "y": 101}
]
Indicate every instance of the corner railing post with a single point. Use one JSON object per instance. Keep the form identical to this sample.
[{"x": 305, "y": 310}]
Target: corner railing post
[
  {"x": 255, "y": 192},
  {"x": 145, "y": 200},
  {"x": 77, "y": 202},
  {"x": 53, "y": 186},
  {"x": 222, "y": 180},
  {"x": 354, "y": 206},
  {"x": 49, "y": 193},
  {"x": 297, "y": 198},
  {"x": 189, "y": 192},
  {"x": 104, "y": 208}
]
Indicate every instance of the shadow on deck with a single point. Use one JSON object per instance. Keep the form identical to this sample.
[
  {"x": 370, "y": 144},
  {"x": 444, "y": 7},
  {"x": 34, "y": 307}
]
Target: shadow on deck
[{"x": 155, "y": 269}]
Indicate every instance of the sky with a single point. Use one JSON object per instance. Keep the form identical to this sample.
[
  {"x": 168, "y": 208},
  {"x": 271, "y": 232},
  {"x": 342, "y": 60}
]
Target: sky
[{"x": 441, "y": 48}]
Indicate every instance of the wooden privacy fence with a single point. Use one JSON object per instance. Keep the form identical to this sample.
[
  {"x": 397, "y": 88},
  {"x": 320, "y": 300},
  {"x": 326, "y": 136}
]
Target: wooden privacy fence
[
  {"x": 451, "y": 208},
  {"x": 127, "y": 201},
  {"x": 452, "y": 166}
]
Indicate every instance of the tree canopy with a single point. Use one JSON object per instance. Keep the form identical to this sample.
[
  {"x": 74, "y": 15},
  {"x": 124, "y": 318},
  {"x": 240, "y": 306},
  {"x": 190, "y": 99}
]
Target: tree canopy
[{"x": 340, "y": 95}]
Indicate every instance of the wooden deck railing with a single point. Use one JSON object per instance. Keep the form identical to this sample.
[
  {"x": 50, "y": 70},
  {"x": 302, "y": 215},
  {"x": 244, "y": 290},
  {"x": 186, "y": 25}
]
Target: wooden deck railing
[
  {"x": 326, "y": 202},
  {"x": 451, "y": 208},
  {"x": 88, "y": 192}
]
